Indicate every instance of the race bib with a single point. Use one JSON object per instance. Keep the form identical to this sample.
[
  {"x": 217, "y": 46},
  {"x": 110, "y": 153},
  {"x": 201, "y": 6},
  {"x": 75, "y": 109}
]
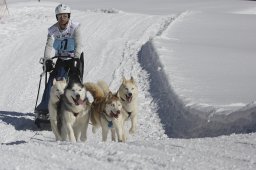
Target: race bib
[{"x": 65, "y": 45}]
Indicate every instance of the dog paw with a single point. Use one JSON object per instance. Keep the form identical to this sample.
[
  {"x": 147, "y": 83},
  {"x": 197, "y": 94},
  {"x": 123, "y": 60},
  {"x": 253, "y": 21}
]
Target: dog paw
[
  {"x": 83, "y": 139},
  {"x": 132, "y": 131},
  {"x": 58, "y": 139},
  {"x": 73, "y": 140}
]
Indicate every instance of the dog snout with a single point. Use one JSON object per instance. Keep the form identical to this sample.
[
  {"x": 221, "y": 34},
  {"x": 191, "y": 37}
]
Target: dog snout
[
  {"x": 130, "y": 94},
  {"x": 60, "y": 92},
  {"x": 78, "y": 96},
  {"x": 118, "y": 112}
]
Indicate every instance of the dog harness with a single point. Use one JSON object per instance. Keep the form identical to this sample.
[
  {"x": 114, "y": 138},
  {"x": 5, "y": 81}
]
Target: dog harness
[
  {"x": 129, "y": 113},
  {"x": 75, "y": 114}
]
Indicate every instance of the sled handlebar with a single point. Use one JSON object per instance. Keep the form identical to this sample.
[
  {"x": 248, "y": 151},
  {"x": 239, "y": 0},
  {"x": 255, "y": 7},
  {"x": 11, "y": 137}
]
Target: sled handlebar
[{"x": 41, "y": 61}]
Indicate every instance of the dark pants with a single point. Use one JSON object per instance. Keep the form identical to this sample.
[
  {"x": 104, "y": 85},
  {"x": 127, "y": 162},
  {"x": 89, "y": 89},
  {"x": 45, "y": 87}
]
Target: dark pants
[{"x": 63, "y": 69}]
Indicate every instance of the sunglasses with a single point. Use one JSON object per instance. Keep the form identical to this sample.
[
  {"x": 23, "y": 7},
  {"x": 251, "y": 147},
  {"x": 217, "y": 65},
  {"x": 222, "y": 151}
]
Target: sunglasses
[{"x": 63, "y": 16}]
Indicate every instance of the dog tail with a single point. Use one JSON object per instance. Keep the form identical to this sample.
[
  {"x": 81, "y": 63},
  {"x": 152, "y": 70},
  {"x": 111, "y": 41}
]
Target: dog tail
[
  {"x": 95, "y": 90},
  {"x": 104, "y": 86}
]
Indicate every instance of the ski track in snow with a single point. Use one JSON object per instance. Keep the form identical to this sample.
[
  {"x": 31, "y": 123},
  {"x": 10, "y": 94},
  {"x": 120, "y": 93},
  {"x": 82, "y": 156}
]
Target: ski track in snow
[{"x": 104, "y": 40}]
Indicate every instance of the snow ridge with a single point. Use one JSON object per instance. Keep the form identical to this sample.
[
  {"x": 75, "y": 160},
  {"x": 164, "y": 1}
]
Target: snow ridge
[{"x": 183, "y": 120}]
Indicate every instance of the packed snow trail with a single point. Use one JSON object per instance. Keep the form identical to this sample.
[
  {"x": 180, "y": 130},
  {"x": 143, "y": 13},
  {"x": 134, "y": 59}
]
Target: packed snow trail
[{"x": 41, "y": 152}]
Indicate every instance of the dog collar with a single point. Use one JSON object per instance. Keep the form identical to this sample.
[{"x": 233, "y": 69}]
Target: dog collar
[
  {"x": 129, "y": 114},
  {"x": 75, "y": 114},
  {"x": 110, "y": 123}
]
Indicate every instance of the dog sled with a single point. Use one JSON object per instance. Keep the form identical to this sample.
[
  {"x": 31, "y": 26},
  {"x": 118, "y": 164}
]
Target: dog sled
[{"x": 42, "y": 118}]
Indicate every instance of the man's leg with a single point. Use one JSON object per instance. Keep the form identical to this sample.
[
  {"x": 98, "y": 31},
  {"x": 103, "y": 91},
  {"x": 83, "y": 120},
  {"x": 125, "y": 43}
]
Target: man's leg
[{"x": 43, "y": 106}]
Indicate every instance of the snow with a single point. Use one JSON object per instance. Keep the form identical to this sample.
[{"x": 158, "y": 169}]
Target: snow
[{"x": 194, "y": 64}]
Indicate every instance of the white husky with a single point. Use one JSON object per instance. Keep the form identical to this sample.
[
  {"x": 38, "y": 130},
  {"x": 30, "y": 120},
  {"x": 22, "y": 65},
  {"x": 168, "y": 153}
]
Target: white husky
[
  {"x": 106, "y": 111},
  {"x": 74, "y": 113},
  {"x": 57, "y": 90},
  {"x": 128, "y": 92}
]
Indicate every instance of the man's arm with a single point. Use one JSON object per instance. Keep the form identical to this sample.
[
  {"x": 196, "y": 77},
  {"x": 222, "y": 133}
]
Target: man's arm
[
  {"x": 48, "y": 47},
  {"x": 78, "y": 42}
]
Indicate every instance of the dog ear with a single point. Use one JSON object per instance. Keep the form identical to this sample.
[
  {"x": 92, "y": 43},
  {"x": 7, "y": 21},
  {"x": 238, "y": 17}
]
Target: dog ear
[
  {"x": 117, "y": 94},
  {"x": 64, "y": 80},
  {"x": 132, "y": 79},
  {"x": 124, "y": 80},
  {"x": 54, "y": 81},
  {"x": 109, "y": 95},
  {"x": 61, "y": 79}
]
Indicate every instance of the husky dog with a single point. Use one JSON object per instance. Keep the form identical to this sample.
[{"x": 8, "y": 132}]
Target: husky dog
[
  {"x": 128, "y": 92},
  {"x": 74, "y": 112},
  {"x": 57, "y": 90},
  {"x": 105, "y": 111}
]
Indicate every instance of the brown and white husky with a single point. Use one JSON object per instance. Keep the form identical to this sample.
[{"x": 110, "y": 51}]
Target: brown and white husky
[{"x": 106, "y": 111}]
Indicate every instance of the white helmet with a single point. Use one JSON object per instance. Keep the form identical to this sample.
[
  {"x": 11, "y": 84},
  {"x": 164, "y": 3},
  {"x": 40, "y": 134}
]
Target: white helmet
[{"x": 62, "y": 8}]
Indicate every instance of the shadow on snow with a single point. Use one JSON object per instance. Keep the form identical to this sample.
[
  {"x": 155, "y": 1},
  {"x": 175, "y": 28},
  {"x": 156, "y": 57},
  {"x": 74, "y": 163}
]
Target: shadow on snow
[{"x": 20, "y": 121}]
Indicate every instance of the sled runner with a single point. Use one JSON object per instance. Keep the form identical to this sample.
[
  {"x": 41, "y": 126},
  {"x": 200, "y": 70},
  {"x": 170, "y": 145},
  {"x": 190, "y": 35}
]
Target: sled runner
[{"x": 42, "y": 116}]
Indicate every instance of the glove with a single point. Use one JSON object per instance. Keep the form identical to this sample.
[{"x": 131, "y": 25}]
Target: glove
[
  {"x": 76, "y": 62},
  {"x": 48, "y": 65}
]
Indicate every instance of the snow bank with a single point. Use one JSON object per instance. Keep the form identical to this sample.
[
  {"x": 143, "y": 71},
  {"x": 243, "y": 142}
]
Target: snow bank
[{"x": 186, "y": 121}]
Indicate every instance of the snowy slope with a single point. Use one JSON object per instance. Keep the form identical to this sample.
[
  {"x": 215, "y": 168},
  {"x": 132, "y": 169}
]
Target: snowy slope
[{"x": 113, "y": 40}]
